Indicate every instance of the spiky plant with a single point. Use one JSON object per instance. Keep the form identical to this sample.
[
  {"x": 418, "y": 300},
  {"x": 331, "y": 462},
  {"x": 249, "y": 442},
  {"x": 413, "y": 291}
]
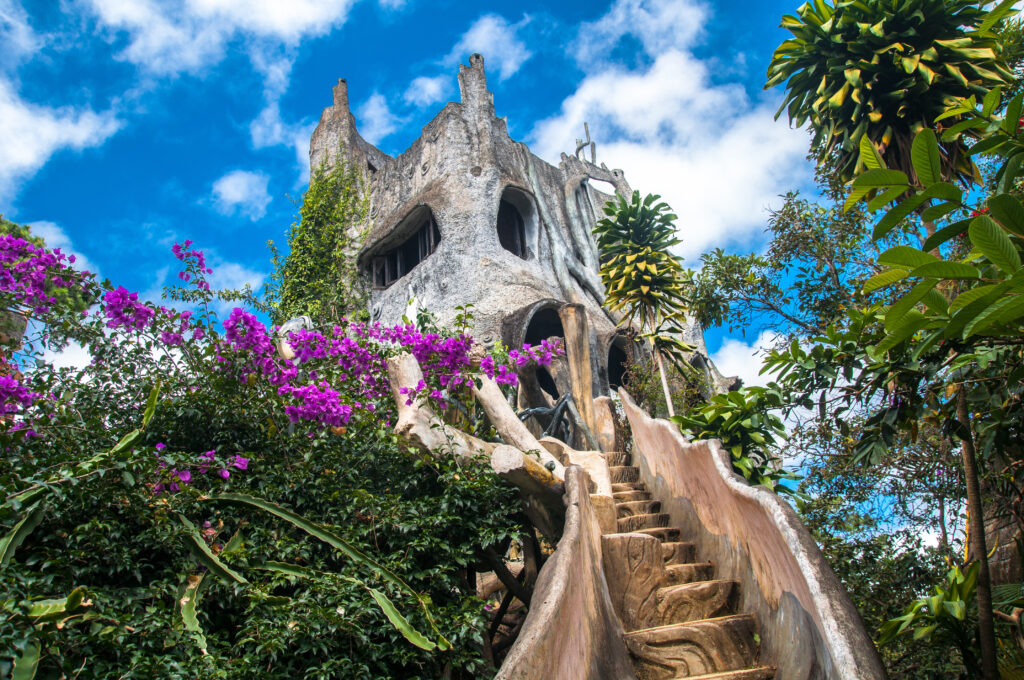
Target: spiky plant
[
  {"x": 886, "y": 69},
  {"x": 641, "y": 277}
]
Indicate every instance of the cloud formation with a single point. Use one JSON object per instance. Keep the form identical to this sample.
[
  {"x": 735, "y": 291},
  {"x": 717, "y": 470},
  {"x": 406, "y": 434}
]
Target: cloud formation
[
  {"x": 717, "y": 157},
  {"x": 242, "y": 192},
  {"x": 33, "y": 133},
  {"x": 375, "y": 119},
  {"x": 736, "y": 357},
  {"x": 495, "y": 37},
  {"x": 424, "y": 91}
]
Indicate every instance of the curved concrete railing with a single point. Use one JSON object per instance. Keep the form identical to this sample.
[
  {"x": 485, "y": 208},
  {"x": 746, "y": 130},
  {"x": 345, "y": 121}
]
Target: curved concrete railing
[
  {"x": 571, "y": 632},
  {"x": 808, "y": 626}
]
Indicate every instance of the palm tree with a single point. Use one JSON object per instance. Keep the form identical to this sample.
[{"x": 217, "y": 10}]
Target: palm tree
[
  {"x": 886, "y": 69},
  {"x": 641, "y": 277}
]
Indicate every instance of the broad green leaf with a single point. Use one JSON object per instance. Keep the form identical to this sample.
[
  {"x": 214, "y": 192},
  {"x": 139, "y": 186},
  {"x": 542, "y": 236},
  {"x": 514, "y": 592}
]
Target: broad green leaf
[
  {"x": 992, "y": 241},
  {"x": 911, "y": 323},
  {"x": 975, "y": 294},
  {"x": 202, "y": 552},
  {"x": 18, "y": 533},
  {"x": 992, "y": 97},
  {"x": 905, "y": 304},
  {"x": 906, "y": 257},
  {"x": 154, "y": 394},
  {"x": 886, "y": 278},
  {"x": 1012, "y": 115},
  {"x": 1008, "y": 174},
  {"x": 938, "y": 211},
  {"x": 924, "y": 153},
  {"x": 897, "y": 214},
  {"x": 125, "y": 442},
  {"x": 400, "y": 622},
  {"x": 1008, "y": 211},
  {"x": 26, "y": 664},
  {"x": 945, "y": 234},
  {"x": 1003, "y": 311},
  {"x": 993, "y": 17},
  {"x": 876, "y": 179},
  {"x": 189, "y": 601},
  {"x": 953, "y": 131},
  {"x": 946, "y": 270},
  {"x": 869, "y": 155}
]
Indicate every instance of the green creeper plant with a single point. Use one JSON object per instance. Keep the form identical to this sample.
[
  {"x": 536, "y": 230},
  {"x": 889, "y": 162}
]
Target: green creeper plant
[
  {"x": 642, "y": 278},
  {"x": 885, "y": 69},
  {"x": 319, "y": 277}
]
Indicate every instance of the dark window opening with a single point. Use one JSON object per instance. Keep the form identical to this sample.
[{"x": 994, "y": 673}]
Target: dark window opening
[
  {"x": 511, "y": 230},
  {"x": 392, "y": 265},
  {"x": 616, "y": 366},
  {"x": 545, "y": 324},
  {"x": 547, "y": 383}
]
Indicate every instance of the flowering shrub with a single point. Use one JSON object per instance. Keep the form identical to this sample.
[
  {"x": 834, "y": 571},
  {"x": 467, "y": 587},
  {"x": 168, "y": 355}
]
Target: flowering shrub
[{"x": 108, "y": 501}]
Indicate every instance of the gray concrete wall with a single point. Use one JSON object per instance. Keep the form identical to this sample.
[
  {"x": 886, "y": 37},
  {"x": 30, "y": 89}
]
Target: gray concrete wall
[
  {"x": 808, "y": 626},
  {"x": 571, "y": 631}
]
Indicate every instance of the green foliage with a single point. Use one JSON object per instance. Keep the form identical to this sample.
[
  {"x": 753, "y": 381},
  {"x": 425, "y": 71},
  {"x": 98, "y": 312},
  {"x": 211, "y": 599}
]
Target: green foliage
[
  {"x": 885, "y": 69},
  {"x": 319, "y": 278},
  {"x": 816, "y": 262},
  {"x": 743, "y": 421},
  {"x": 944, "y": 616},
  {"x": 185, "y": 584},
  {"x": 641, "y": 277}
]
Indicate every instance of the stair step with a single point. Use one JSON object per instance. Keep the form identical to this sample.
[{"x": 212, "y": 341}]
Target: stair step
[
  {"x": 630, "y": 496},
  {"x": 676, "y": 574},
  {"x": 664, "y": 534},
  {"x": 759, "y": 673},
  {"x": 679, "y": 553},
  {"x": 628, "y": 486},
  {"x": 697, "y": 600},
  {"x": 623, "y": 473},
  {"x": 694, "y": 648},
  {"x": 648, "y": 521},
  {"x": 618, "y": 458},
  {"x": 639, "y": 506}
]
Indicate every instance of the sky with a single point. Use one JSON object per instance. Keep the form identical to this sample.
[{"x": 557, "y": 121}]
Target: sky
[{"x": 127, "y": 125}]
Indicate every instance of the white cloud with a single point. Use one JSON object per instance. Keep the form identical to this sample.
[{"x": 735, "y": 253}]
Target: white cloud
[
  {"x": 716, "y": 157},
  {"x": 736, "y": 357},
  {"x": 16, "y": 34},
  {"x": 494, "y": 37},
  {"x": 659, "y": 25},
  {"x": 73, "y": 355},
  {"x": 376, "y": 121},
  {"x": 174, "y": 36},
  {"x": 243, "y": 192},
  {"x": 424, "y": 91},
  {"x": 56, "y": 237},
  {"x": 33, "y": 133}
]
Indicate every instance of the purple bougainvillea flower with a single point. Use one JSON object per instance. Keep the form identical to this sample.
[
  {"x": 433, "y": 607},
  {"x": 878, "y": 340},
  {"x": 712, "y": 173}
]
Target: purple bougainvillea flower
[
  {"x": 224, "y": 474},
  {"x": 185, "y": 476},
  {"x": 240, "y": 463},
  {"x": 160, "y": 446}
]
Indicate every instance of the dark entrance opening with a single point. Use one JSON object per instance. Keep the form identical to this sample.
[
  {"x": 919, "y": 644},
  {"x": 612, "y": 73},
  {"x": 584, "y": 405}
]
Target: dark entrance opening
[
  {"x": 617, "y": 364},
  {"x": 545, "y": 324},
  {"x": 511, "y": 230}
]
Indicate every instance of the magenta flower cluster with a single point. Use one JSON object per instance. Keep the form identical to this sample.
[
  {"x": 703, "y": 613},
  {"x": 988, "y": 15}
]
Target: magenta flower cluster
[
  {"x": 13, "y": 395},
  {"x": 29, "y": 274},
  {"x": 173, "y": 478},
  {"x": 124, "y": 310},
  {"x": 195, "y": 263}
]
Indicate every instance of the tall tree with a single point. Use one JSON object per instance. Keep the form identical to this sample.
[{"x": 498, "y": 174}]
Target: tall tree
[
  {"x": 885, "y": 69},
  {"x": 642, "y": 278}
]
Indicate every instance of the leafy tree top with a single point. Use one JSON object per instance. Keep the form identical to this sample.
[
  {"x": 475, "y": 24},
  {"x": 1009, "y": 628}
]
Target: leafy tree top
[{"x": 886, "y": 69}]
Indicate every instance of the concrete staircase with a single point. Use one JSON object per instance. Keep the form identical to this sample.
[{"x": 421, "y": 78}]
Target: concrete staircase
[{"x": 680, "y": 621}]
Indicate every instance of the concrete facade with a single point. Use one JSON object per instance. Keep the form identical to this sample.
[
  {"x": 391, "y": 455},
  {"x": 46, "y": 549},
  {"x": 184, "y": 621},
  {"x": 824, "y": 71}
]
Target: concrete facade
[{"x": 466, "y": 174}]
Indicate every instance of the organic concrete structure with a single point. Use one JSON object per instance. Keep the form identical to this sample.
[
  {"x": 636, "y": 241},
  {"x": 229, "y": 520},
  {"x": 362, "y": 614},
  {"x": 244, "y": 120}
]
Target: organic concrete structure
[{"x": 466, "y": 215}]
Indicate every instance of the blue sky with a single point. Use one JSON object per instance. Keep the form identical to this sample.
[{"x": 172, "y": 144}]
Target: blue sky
[{"x": 126, "y": 125}]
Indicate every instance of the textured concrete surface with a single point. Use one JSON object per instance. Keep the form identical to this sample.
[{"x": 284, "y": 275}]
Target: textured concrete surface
[
  {"x": 808, "y": 627},
  {"x": 461, "y": 167},
  {"x": 571, "y": 632}
]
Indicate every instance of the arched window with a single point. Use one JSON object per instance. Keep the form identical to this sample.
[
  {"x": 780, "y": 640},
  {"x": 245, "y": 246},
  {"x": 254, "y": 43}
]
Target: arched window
[
  {"x": 511, "y": 231},
  {"x": 396, "y": 262}
]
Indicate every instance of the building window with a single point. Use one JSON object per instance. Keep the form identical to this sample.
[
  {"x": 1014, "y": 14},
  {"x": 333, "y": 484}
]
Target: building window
[
  {"x": 392, "y": 265},
  {"x": 511, "y": 231}
]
